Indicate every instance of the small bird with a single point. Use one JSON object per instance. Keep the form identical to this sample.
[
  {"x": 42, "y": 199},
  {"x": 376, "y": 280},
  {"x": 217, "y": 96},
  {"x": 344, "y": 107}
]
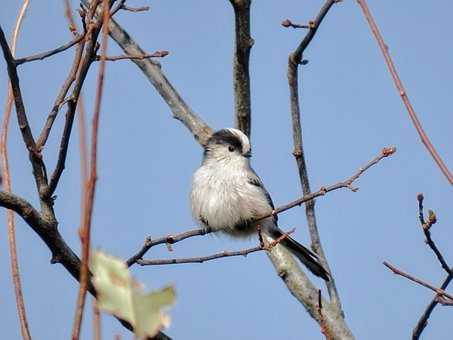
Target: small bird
[{"x": 227, "y": 195}]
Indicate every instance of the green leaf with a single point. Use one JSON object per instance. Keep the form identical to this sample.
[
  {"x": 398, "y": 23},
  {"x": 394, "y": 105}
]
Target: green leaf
[{"x": 121, "y": 295}]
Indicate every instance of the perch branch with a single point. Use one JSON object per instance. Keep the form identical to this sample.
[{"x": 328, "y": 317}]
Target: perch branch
[
  {"x": 241, "y": 60},
  {"x": 347, "y": 183},
  {"x": 201, "y": 259},
  {"x": 402, "y": 91}
]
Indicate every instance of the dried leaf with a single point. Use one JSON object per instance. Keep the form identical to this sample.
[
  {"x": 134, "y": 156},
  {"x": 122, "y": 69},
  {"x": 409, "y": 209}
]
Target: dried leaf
[{"x": 121, "y": 295}]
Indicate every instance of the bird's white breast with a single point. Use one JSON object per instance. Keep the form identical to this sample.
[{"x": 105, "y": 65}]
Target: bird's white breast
[{"x": 222, "y": 196}]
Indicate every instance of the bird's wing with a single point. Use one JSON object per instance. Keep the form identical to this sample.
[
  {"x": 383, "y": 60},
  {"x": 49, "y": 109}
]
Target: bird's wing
[{"x": 256, "y": 181}]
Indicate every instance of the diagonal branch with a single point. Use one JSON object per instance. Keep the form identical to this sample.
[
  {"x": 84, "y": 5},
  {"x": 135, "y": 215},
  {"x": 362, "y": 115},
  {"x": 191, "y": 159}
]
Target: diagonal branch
[
  {"x": 402, "y": 91},
  {"x": 61, "y": 96},
  {"x": 152, "y": 70},
  {"x": 412, "y": 278},
  {"x": 43, "y": 55},
  {"x": 241, "y": 76},
  {"x": 306, "y": 293},
  {"x": 294, "y": 60}
]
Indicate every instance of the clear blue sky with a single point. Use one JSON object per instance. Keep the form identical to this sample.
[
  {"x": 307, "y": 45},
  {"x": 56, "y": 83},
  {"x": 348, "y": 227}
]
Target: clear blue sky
[{"x": 350, "y": 111}]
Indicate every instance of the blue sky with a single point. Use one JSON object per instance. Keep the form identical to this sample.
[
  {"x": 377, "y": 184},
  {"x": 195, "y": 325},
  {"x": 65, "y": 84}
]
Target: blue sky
[{"x": 350, "y": 110}]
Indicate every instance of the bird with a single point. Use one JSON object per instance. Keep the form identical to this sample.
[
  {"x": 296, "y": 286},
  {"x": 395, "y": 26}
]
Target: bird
[{"x": 227, "y": 196}]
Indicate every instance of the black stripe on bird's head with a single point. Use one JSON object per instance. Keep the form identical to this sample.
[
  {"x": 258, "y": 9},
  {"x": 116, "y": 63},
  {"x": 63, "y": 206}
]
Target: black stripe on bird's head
[{"x": 234, "y": 139}]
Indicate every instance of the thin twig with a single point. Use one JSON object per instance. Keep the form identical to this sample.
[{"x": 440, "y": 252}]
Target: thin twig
[
  {"x": 426, "y": 225},
  {"x": 288, "y": 23},
  {"x": 6, "y": 181},
  {"x": 45, "y": 132},
  {"x": 241, "y": 76},
  {"x": 347, "y": 183},
  {"x": 402, "y": 91},
  {"x": 43, "y": 55},
  {"x": 81, "y": 116},
  {"x": 135, "y": 9},
  {"x": 90, "y": 185},
  {"x": 294, "y": 60},
  {"x": 438, "y": 291},
  {"x": 225, "y": 253},
  {"x": 157, "y": 54},
  {"x": 170, "y": 239}
]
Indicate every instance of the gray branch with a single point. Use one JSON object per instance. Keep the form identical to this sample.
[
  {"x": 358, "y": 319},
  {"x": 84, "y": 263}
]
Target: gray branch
[
  {"x": 152, "y": 70},
  {"x": 306, "y": 293}
]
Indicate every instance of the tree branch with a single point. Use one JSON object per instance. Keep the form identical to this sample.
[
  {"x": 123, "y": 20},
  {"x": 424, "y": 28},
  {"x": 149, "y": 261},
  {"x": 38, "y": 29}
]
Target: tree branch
[
  {"x": 423, "y": 321},
  {"x": 35, "y": 157},
  {"x": 241, "y": 76},
  {"x": 347, "y": 183},
  {"x": 225, "y": 253},
  {"x": 45, "y": 132},
  {"x": 426, "y": 225},
  {"x": 306, "y": 293},
  {"x": 402, "y": 91},
  {"x": 152, "y": 70},
  {"x": 6, "y": 179},
  {"x": 294, "y": 60},
  {"x": 43, "y": 55},
  {"x": 425, "y": 284}
]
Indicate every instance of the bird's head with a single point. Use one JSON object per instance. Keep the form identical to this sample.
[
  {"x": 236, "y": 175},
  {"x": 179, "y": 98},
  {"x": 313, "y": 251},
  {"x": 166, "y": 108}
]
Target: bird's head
[{"x": 228, "y": 145}]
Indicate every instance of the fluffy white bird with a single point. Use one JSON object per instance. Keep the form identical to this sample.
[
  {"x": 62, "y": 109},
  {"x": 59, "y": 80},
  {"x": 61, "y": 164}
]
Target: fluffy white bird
[{"x": 227, "y": 195}]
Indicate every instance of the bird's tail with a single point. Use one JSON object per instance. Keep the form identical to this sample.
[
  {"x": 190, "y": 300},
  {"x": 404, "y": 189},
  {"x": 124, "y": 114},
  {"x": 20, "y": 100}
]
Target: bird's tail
[{"x": 307, "y": 257}]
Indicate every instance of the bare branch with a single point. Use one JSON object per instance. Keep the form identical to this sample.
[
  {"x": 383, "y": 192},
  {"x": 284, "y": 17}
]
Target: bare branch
[
  {"x": 241, "y": 76},
  {"x": 90, "y": 185},
  {"x": 347, "y": 183},
  {"x": 425, "y": 284},
  {"x": 35, "y": 157},
  {"x": 43, "y": 55},
  {"x": 402, "y": 91},
  {"x": 201, "y": 259},
  {"x": 426, "y": 225},
  {"x": 306, "y": 293},
  {"x": 157, "y": 54},
  {"x": 170, "y": 239},
  {"x": 61, "y": 97},
  {"x": 294, "y": 60},
  {"x": 181, "y": 111},
  {"x": 423, "y": 321},
  {"x": 6, "y": 181},
  {"x": 288, "y": 23},
  {"x": 225, "y": 253},
  {"x": 135, "y": 9}
]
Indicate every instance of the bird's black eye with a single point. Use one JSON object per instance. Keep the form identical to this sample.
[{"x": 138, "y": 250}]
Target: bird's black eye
[{"x": 231, "y": 148}]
